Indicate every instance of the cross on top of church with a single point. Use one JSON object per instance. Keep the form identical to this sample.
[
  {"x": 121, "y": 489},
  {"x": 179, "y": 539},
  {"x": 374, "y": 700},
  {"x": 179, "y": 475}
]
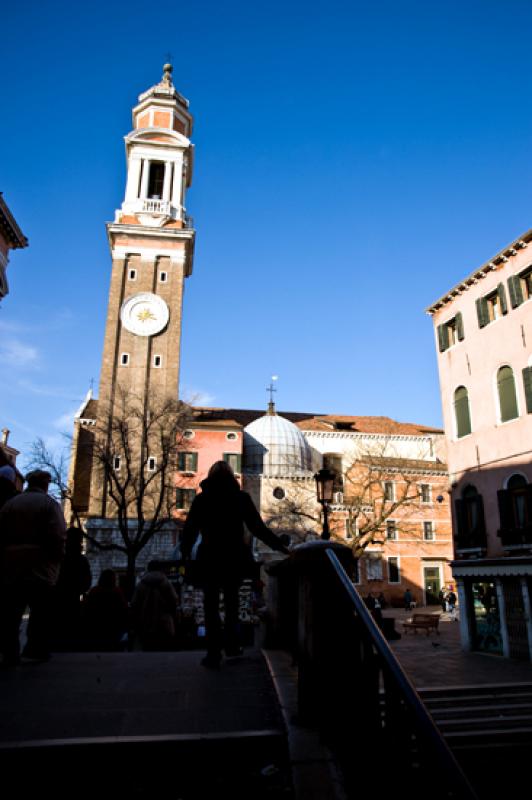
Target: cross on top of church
[{"x": 271, "y": 389}]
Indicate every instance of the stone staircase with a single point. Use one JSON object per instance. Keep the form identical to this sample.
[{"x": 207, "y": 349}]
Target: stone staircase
[{"x": 489, "y": 729}]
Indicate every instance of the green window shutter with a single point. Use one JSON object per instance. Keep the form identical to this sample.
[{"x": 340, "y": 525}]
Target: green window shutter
[
  {"x": 443, "y": 337},
  {"x": 461, "y": 410},
  {"x": 181, "y": 462},
  {"x": 507, "y": 395},
  {"x": 239, "y": 463},
  {"x": 480, "y": 529},
  {"x": 482, "y": 312},
  {"x": 515, "y": 290},
  {"x": 179, "y": 498},
  {"x": 506, "y": 515},
  {"x": 194, "y": 459},
  {"x": 502, "y": 298},
  {"x": 459, "y": 326},
  {"x": 461, "y": 519},
  {"x": 527, "y": 382}
]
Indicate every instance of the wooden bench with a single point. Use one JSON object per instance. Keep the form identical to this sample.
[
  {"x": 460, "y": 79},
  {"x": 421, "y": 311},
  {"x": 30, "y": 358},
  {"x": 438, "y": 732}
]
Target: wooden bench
[{"x": 425, "y": 622}]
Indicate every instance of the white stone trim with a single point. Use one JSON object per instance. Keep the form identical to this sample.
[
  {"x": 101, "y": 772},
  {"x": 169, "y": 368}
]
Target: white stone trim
[{"x": 149, "y": 254}]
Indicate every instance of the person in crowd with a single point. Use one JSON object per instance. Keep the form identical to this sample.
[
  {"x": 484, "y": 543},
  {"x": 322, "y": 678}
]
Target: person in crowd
[
  {"x": 408, "y": 599},
  {"x": 8, "y": 476},
  {"x": 104, "y": 615},
  {"x": 442, "y": 597},
  {"x": 73, "y": 584},
  {"x": 153, "y": 610},
  {"x": 32, "y": 546},
  {"x": 224, "y": 557},
  {"x": 451, "y": 603}
]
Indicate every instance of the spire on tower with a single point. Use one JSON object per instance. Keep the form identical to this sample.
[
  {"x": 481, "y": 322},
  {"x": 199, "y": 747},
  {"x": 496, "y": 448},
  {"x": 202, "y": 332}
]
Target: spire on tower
[{"x": 167, "y": 74}]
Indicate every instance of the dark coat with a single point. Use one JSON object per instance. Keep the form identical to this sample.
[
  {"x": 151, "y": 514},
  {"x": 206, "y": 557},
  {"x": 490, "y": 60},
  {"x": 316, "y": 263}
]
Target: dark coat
[{"x": 219, "y": 513}]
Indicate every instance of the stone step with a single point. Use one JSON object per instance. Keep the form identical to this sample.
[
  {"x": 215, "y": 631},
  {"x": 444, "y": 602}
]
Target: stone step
[
  {"x": 453, "y": 711},
  {"x": 239, "y": 764}
]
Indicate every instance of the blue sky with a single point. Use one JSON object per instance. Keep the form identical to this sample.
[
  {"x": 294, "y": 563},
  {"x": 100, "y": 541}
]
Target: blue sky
[{"x": 353, "y": 161}]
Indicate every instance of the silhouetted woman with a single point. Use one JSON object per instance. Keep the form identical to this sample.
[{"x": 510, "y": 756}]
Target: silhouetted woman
[{"x": 223, "y": 557}]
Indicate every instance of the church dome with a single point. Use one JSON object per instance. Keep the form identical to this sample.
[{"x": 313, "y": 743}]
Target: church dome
[{"x": 275, "y": 446}]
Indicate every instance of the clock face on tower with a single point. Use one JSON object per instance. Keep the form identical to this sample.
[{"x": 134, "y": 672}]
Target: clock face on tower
[{"x": 144, "y": 314}]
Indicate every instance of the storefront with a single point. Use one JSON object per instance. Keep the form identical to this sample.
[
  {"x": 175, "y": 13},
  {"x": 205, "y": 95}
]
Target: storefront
[{"x": 495, "y": 602}]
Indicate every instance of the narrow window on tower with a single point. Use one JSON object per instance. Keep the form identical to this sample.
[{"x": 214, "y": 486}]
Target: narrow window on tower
[
  {"x": 124, "y": 359},
  {"x": 152, "y": 464},
  {"x": 156, "y": 180},
  {"x": 132, "y": 275},
  {"x": 163, "y": 277},
  {"x": 116, "y": 463},
  {"x": 157, "y": 361}
]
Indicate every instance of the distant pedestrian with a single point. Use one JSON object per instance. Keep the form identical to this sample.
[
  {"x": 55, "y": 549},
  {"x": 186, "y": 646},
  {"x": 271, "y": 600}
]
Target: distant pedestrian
[
  {"x": 153, "y": 610},
  {"x": 73, "y": 583},
  {"x": 442, "y": 597},
  {"x": 104, "y": 615},
  {"x": 32, "y": 545},
  {"x": 224, "y": 558},
  {"x": 451, "y": 602},
  {"x": 408, "y": 599}
]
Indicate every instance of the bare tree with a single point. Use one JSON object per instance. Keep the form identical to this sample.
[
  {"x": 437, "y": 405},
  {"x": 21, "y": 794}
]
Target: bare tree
[
  {"x": 135, "y": 460},
  {"x": 132, "y": 452},
  {"x": 376, "y": 486},
  {"x": 56, "y": 463}
]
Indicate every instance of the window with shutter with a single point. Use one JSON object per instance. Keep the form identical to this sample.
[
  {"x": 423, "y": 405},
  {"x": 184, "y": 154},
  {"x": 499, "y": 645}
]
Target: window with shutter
[
  {"x": 527, "y": 383},
  {"x": 505, "y": 509},
  {"x": 459, "y": 327},
  {"x": 482, "y": 312},
  {"x": 525, "y": 283},
  {"x": 461, "y": 412},
  {"x": 515, "y": 290},
  {"x": 187, "y": 462},
  {"x": 394, "y": 575},
  {"x": 503, "y": 305},
  {"x": 234, "y": 461},
  {"x": 184, "y": 498},
  {"x": 443, "y": 338},
  {"x": 507, "y": 396}
]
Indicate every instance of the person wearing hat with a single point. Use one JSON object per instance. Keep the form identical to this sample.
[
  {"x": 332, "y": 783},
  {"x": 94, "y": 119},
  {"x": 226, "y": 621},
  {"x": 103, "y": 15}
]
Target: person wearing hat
[{"x": 32, "y": 546}]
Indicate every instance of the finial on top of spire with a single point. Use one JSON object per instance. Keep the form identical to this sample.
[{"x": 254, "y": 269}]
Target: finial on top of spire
[
  {"x": 167, "y": 73},
  {"x": 271, "y": 390}
]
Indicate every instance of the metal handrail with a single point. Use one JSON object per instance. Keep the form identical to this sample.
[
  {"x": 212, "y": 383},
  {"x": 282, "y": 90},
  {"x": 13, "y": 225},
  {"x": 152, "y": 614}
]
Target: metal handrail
[{"x": 430, "y": 738}]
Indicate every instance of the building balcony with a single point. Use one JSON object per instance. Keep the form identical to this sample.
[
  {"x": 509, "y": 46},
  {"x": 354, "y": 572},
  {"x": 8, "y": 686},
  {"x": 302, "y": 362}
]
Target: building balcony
[
  {"x": 467, "y": 544},
  {"x": 154, "y": 206}
]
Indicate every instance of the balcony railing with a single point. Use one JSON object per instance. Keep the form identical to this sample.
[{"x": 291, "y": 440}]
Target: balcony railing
[
  {"x": 153, "y": 206},
  {"x": 351, "y": 686},
  {"x": 516, "y": 537}
]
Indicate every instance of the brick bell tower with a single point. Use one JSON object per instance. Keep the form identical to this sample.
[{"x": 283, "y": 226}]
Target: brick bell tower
[{"x": 152, "y": 249}]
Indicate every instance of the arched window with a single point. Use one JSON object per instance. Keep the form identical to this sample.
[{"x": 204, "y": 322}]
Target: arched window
[
  {"x": 507, "y": 396},
  {"x": 470, "y": 519},
  {"x": 516, "y": 486},
  {"x": 515, "y": 511},
  {"x": 461, "y": 412}
]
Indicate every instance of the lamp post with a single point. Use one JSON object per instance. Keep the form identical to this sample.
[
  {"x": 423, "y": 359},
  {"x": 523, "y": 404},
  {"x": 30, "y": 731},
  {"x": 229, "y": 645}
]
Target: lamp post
[{"x": 324, "y": 490}]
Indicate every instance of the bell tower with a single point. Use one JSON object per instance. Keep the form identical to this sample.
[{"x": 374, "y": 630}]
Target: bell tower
[{"x": 152, "y": 249}]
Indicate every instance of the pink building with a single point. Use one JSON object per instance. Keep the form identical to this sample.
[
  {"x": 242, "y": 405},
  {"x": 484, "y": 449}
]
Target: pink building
[{"x": 483, "y": 328}]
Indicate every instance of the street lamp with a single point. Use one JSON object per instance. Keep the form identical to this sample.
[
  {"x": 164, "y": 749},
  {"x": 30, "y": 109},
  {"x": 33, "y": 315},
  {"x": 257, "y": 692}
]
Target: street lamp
[{"x": 324, "y": 490}]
